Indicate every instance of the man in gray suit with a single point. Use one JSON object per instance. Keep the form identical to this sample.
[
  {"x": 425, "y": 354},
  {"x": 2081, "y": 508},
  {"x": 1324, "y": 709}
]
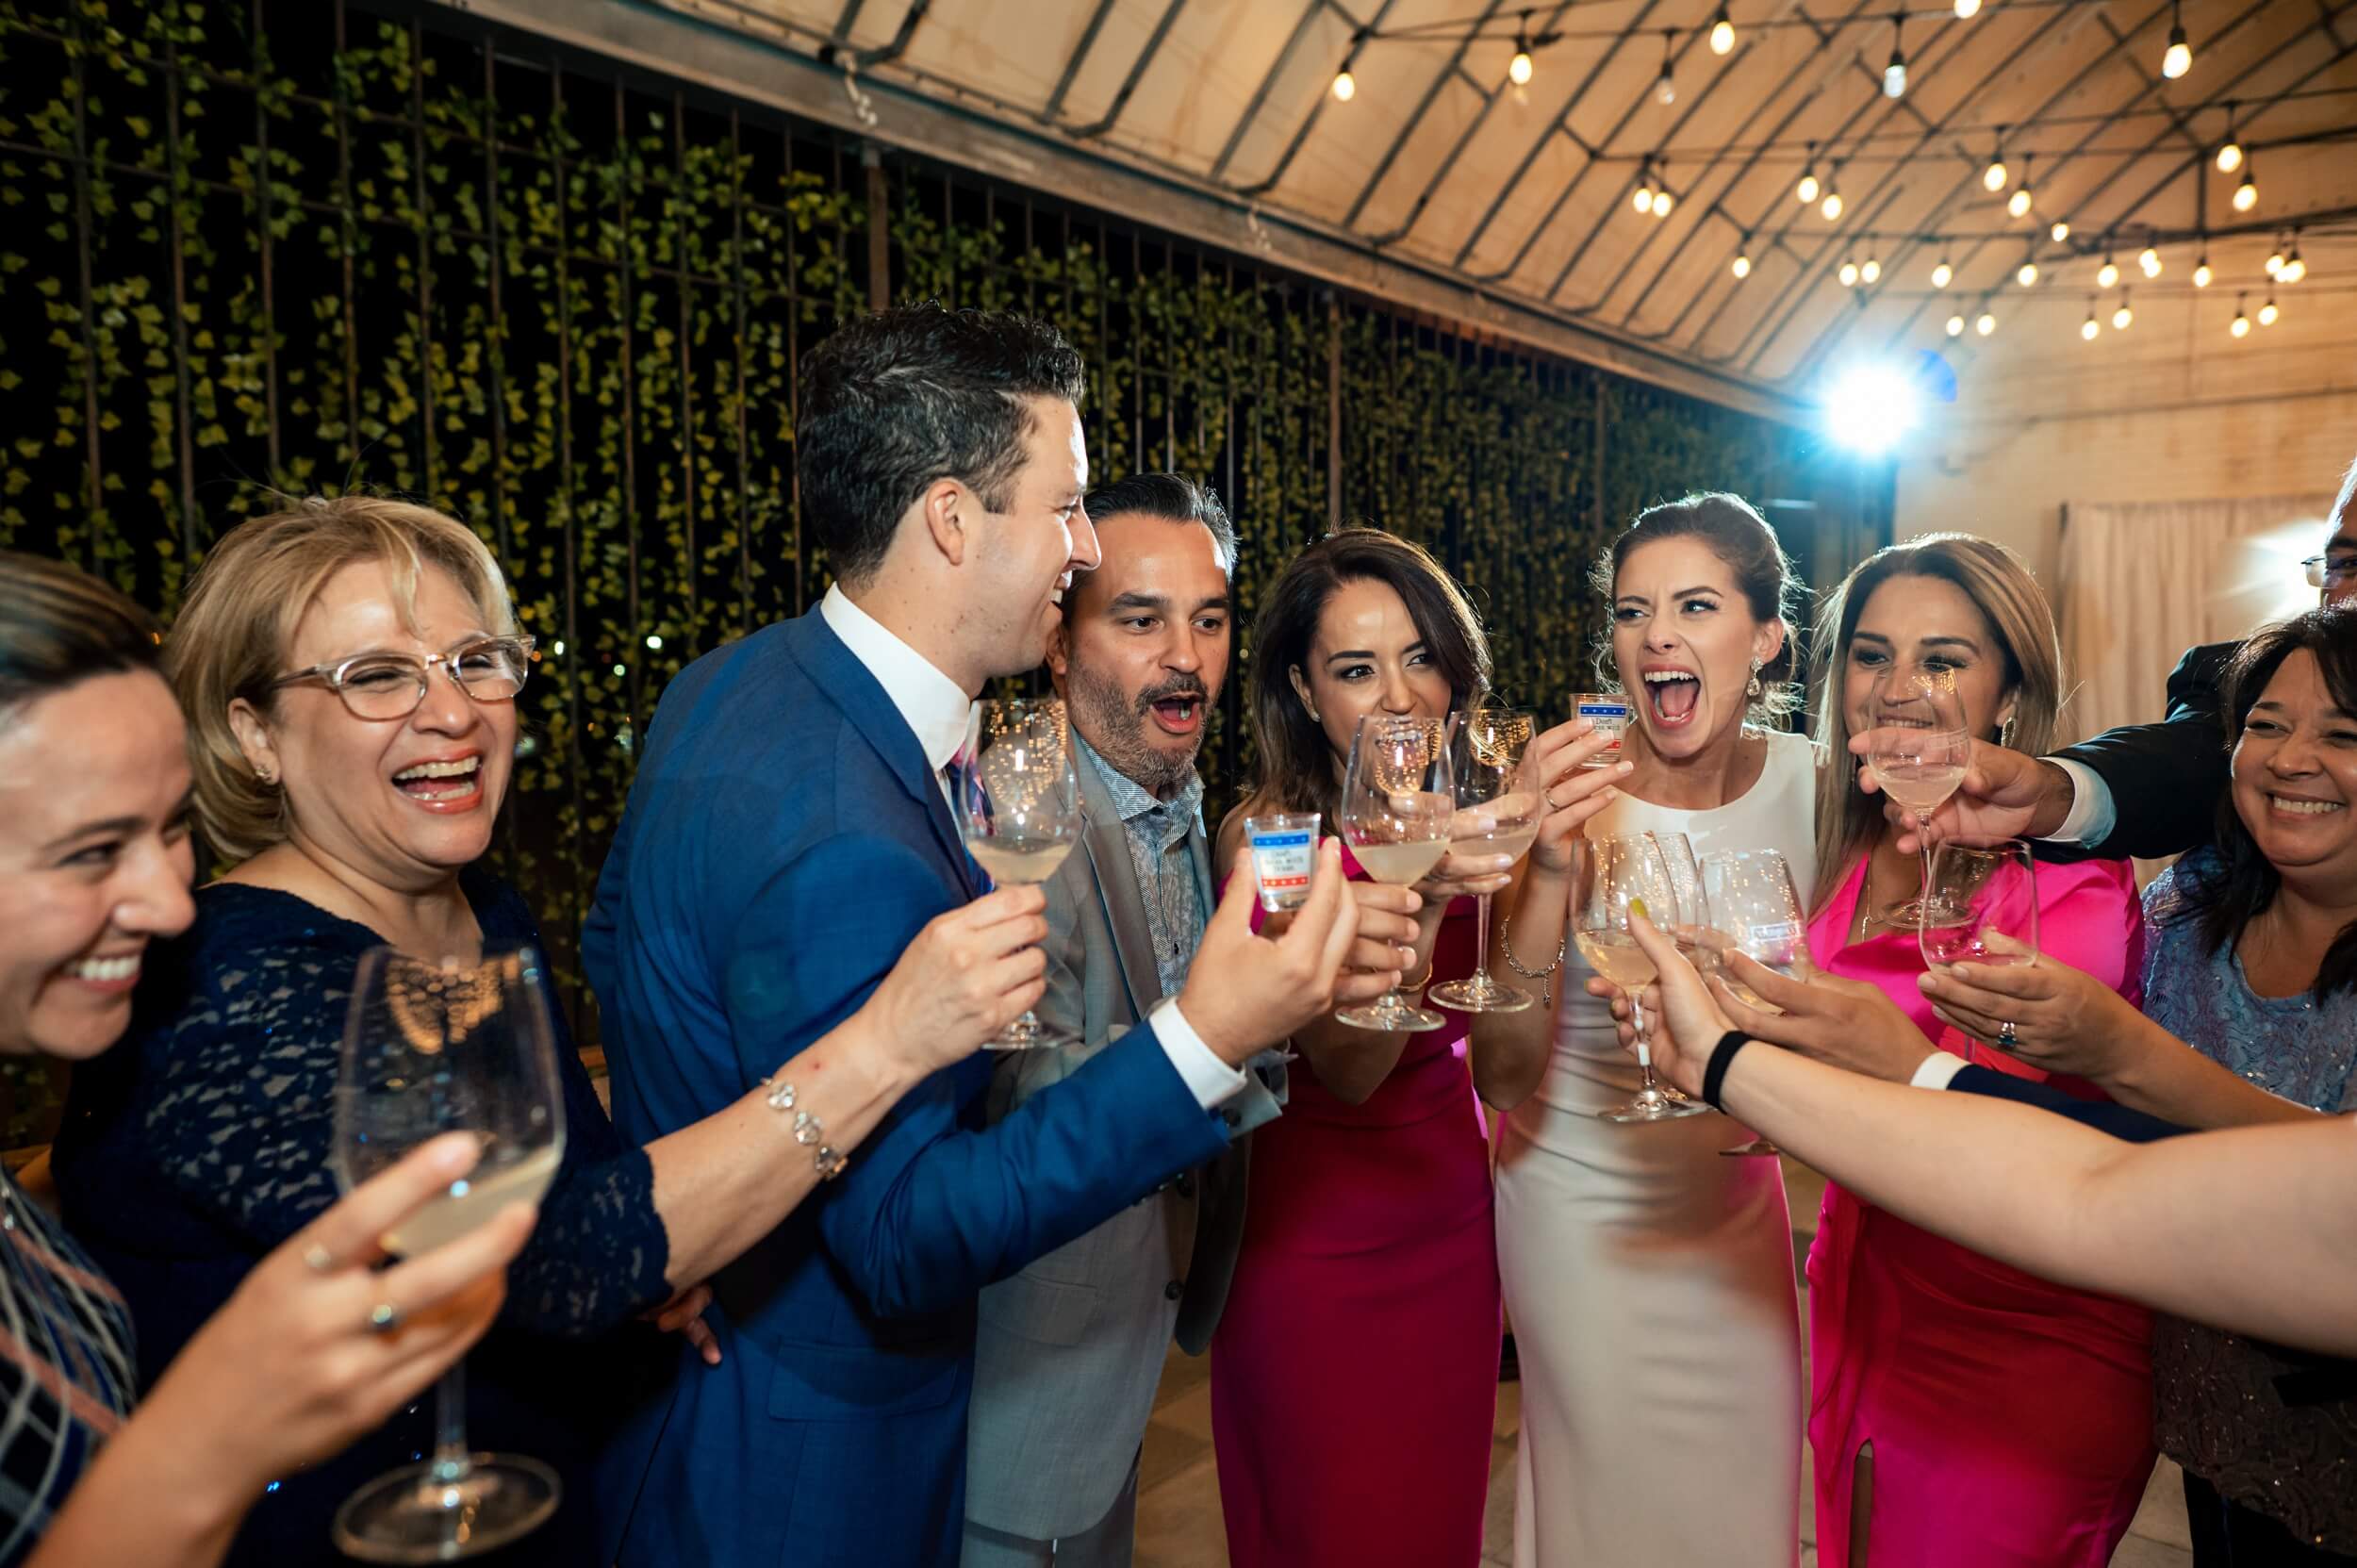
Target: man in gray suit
[{"x": 1071, "y": 1348}]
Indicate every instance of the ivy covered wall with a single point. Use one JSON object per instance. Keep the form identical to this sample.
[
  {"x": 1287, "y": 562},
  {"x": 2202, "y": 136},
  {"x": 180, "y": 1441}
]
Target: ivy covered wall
[{"x": 260, "y": 246}]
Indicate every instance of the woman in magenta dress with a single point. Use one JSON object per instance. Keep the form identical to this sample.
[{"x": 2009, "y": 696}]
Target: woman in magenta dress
[
  {"x": 1354, "y": 1374},
  {"x": 1963, "y": 1414}
]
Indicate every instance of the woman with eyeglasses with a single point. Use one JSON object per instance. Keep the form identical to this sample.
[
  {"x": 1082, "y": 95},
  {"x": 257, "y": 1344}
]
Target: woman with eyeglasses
[{"x": 350, "y": 669}]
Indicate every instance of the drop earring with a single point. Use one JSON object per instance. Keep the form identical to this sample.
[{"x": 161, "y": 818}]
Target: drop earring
[
  {"x": 1754, "y": 691},
  {"x": 2004, "y": 732}
]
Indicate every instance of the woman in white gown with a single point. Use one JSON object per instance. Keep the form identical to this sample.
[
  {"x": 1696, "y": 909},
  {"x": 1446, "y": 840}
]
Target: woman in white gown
[{"x": 1650, "y": 1280}]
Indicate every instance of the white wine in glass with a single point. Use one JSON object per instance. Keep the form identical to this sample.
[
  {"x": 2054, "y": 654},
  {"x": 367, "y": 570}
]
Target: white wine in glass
[
  {"x": 432, "y": 1048},
  {"x": 1920, "y": 754},
  {"x": 1398, "y": 800},
  {"x": 1611, "y": 878},
  {"x": 1499, "y": 807},
  {"x": 1753, "y": 911},
  {"x": 1019, "y": 811}
]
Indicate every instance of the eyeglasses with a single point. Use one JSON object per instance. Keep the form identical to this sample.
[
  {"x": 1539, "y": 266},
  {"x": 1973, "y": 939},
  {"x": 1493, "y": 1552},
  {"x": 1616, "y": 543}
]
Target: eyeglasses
[
  {"x": 2335, "y": 568},
  {"x": 390, "y": 685}
]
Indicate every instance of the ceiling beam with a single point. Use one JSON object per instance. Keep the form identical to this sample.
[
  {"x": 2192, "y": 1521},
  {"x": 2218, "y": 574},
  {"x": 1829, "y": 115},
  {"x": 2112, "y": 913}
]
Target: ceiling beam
[
  {"x": 1137, "y": 72},
  {"x": 1408, "y": 128},
  {"x": 1310, "y": 14}
]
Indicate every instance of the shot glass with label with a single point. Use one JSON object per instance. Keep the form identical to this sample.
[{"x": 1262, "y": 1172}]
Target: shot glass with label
[
  {"x": 1610, "y": 715},
  {"x": 1284, "y": 849}
]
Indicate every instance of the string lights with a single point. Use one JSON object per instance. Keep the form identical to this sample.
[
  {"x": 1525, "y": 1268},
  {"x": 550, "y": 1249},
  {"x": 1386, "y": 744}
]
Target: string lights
[
  {"x": 2268, "y": 313},
  {"x": 2027, "y": 275},
  {"x": 2019, "y": 203},
  {"x": 1665, "y": 90},
  {"x": 2061, "y": 231},
  {"x": 2089, "y": 328},
  {"x": 2294, "y": 269},
  {"x": 1956, "y": 326},
  {"x": 1831, "y": 205},
  {"x": 1895, "y": 74},
  {"x": 2201, "y": 274},
  {"x": 1518, "y": 68},
  {"x": 2123, "y": 316},
  {"x": 2178, "y": 57},
  {"x": 2108, "y": 273},
  {"x": 1743, "y": 268},
  {"x": 1986, "y": 324},
  {"x": 1993, "y": 178},
  {"x": 1942, "y": 273},
  {"x": 2242, "y": 322},
  {"x": 2230, "y": 150},
  {"x": 1872, "y": 271},
  {"x": 2148, "y": 259},
  {"x": 1721, "y": 34},
  {"x": 1968, "y": 9},
  {"x": 1808, "y": 187},
  {"x": 1346, "y": 86},
  {"x": 1848, "y": 274},
  {"x": 2246, "y": 194},
  {"x": 2275, "y": 258}
]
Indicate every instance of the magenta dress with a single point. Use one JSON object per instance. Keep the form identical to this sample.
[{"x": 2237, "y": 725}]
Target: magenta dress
[
  {"x": 1354, "y": 1374},
  {"x": 2012, "y": 1419}
]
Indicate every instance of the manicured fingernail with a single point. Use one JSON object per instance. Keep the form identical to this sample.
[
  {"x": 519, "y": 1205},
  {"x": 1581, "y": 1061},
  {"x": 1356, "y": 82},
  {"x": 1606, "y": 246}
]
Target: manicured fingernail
[{"x": 1624, "y": 768}]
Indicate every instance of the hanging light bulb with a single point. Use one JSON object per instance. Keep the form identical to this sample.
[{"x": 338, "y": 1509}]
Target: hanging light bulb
[
  {"x": 2089, "y": 328},
  {"x": 1662, "y": 201},
  {"x": 2027, "y": 275},
  {"x": 2019, "y": 203},
  {"x": 2178, "y": 59},
  {"x": 1806, "y": 190},
  {"x": 1872, "y": 271},
  {"x": 1346, "y": 86},
  {"x": 1848, "y": 274},
  {"x": 2148, "y": 259},
  {"x": 1665, "y": 91},
  {"x": 1743, "y": 260},
  {"x": 1832, "y": 204},
  {"x": 2108, "y": 273},
  {"x": 1956, "y": 326},
  {"x": 1643, "y": 201},
  {"x": 1518, "y": 69},
  {"x": 2201, "y": 274},
  {"x": 1942, "y": 273},
  {"x": 2246, "y": 194},
  {"x": 2121, "y": 317},
  {"x": 2294, "y": 269},
  {"x": 1968, "y": 9},
  {"x": 1721, "y": 34},
  {"x": 2267, "y": 311},
  {"x": 1993, "y": 178},
  {"x": 2242, "y": 322},
  {"x": 2275, "y": 258},
  {"x": 2230, "y": 150},
  {"x": 2060, "y": 232},
  {"x": 1895, "y": 74},
  {"x": 1986, "y": 324}
]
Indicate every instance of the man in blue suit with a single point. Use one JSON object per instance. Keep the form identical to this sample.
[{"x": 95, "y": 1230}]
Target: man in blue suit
[{"x": 787, "y": 834}]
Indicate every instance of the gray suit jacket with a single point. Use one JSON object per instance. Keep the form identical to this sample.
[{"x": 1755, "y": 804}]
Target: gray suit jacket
[{"x": 1070, "y": 1348}]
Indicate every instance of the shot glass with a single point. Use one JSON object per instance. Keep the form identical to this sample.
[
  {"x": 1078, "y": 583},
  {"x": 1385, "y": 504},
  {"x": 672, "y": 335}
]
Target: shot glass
[
  {"x": 1284, "y": 849},
  {"x": 1609, "y": 714}
]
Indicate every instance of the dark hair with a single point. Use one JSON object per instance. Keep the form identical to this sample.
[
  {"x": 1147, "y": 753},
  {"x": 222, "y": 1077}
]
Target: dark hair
[
  {"x": 2225, "y": 891},
  {"x": 59, "y": 627},
  {"x": 1740, "y": 536},
  {"x": 1174, "y": 497},
  {"x": 895, "y": 401},
  {"x": 1293, "y": 765}
]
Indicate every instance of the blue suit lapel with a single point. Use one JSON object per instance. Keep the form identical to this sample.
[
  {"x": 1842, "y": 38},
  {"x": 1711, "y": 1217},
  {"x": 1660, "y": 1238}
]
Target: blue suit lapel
[{"x": 835, "y": 671}]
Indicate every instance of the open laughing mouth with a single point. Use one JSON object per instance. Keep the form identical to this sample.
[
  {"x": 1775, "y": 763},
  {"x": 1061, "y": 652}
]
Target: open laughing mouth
[
  {"x": 1179, "y": 715},
  {"x": 2303, "y": 806},
  {"x": 1673, "y": 695},
  {"x": 441, "y": 783}
]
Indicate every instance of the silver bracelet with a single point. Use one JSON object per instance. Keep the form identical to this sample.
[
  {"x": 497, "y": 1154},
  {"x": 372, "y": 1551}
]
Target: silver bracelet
[
  {"x": 808, "y": 1131},
  {"x": 1506, "y": 950}
]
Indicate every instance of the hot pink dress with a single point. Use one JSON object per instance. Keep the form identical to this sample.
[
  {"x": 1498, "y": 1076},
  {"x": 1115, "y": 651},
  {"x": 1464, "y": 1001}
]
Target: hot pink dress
[
  {"x": 1354, "y": 1374},
  {"x": 2011, "y": 1419}
]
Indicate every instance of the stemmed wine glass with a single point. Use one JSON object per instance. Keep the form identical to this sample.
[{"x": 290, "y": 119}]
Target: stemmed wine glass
[
  {"x": 1979, "y": 906},
  {"x": 1398, "y": 800},
  {"x": 1019, "y": 813},
  {"x": 431, "y": 1048},
  {"x": 1611, "y": 876},
  {"x": 1920, "y": 752},
  {"x": 1753, "y": 911},
  {"x": 1497, "y": 812}
]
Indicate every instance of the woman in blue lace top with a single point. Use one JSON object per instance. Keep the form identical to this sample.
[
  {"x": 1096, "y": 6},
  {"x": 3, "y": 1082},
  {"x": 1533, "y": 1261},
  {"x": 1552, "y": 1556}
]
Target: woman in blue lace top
[{"x": 349, "y": 670}]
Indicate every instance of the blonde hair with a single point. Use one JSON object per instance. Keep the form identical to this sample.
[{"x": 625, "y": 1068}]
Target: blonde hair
[
  {"x": 231, "y": 637},
  {"x": 2001, "y": 586}
]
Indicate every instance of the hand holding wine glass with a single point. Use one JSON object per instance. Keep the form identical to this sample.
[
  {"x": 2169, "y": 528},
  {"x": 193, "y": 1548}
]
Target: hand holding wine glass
[
  {"x": 1980, "y": 906},
  {"x": 1754, "y": 911},
  {"x": 1617, "y": 882},
  {"x": 964, "y": 977},
  {"x": 1920, "y": 754},
  {"x": 1498, "y": 810},
  {"x": 431, "y": 1048},
  {"x": 1019, "y": 810}
]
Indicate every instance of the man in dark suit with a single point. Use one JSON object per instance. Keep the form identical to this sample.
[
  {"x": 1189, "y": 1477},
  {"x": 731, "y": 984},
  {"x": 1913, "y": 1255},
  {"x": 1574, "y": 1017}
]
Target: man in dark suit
[
  {"x": 788, "y": 833},
  {"x": 2145, "y": 790}
]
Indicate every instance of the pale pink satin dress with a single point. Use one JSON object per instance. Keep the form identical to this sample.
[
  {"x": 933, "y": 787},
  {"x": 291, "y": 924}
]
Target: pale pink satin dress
[{"x": 2011, "y": 1419}]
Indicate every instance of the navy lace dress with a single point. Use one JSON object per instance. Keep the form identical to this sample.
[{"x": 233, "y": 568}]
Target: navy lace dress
[{"x": 201, "y": 1143}]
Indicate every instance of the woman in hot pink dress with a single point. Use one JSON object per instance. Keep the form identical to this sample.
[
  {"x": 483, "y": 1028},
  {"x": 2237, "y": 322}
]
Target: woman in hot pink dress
[
  {"x": 1963, "y": 1414},
  {"x": 1354, "y": 1374}
]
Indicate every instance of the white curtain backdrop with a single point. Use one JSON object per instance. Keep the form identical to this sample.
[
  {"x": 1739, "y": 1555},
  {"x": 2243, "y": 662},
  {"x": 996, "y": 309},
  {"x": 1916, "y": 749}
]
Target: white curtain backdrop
[{"x": 2141, "y": 582}]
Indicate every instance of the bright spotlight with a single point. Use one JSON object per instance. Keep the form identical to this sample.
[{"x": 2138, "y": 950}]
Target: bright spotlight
[{"x": 1870, "y": 407}]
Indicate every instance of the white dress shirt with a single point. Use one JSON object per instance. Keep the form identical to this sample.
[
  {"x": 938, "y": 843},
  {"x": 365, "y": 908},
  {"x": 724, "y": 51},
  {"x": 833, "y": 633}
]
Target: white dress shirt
[
  {"x": 938, "y": 712},
  {"x": 2092, "y": 815}
]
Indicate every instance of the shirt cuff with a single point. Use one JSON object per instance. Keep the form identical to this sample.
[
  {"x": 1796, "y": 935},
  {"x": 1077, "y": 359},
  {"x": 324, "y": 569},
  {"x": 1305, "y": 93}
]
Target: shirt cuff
[
  {"x": 1212, "y": 1081},
  {"x": 1938, "y": 1070},
  {"x": 2092, "y": 815}
]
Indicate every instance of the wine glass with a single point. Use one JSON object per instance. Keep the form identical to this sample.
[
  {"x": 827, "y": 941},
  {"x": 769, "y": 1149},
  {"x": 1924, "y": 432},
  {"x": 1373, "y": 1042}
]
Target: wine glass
[
  {"x": 1611, "y": 876},
  {"x": 1397, "y": 801},
  {"x": 1753, "y": 911},
  {"x": 1019, "y": 811},
  {"x": 1979, "y": 906},
  {"x": 432, "y": 1048},
  {"x": 1687, "y": 925},
  {"x": 1497, "y": 813},
  {"x": 1920, "y": 754}
]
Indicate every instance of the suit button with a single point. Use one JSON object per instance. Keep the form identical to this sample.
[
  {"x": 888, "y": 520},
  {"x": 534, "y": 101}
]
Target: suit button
[
  {"x": 1185, "y": 1187},
  {"x": 1173, "y": 1291}
]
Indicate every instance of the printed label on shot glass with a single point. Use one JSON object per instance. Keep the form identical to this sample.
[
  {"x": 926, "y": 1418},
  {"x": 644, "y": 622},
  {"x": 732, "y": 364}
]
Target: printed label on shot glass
[
  {"x": 1284, "y": 854},
  {"x": 1611, "y": 716}
]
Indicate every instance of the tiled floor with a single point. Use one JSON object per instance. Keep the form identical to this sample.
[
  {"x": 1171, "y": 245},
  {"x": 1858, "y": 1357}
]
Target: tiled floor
[{"x": 1179, "y": 1524}]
